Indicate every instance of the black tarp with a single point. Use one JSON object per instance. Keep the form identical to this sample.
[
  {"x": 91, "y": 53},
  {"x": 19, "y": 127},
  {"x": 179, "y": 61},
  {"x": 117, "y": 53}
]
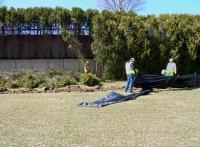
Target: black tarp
[
  {"x": 158, "y": 81},
  {"x": 147, "y": 83},
  {"x": 113, "y": 98}
]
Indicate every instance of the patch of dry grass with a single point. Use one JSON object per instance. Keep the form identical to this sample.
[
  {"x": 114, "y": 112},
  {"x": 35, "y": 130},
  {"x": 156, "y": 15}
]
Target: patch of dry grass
[{"x": 165, "y": 118}]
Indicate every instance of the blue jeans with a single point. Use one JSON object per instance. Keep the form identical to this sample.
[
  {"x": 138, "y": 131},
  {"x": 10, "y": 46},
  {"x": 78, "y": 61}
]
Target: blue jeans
[{"x": 130, "y": 82}]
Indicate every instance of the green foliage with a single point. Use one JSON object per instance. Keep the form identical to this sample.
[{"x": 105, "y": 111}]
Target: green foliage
[
  {"x": 112, "y": 31},
  {"x": 62, "y": 15},
  {"x": 78, "y": 18},
  {"x": 90, "y": 14},
  {"x": 52, "y": 72},
  {"x": 62, "y": 81},
  {"x": 150, "y": 40},
  {"x": 2, "y": 81},
  {"x": 33, "y": 81},
  {"x": 71, "y": 40},
  {"x": 42, "y": 18},
  {"x": 14, "y": 84},
  {"x": 78, "y": 15},
  {"x": 75, "y": 75},
  {"x": 3, "y": 11},
  {"x": 90, "y": 79},
  {"x": 73, "y": 43},
  {"x": 17, "y": 75},
  {"x": 11, "y": 16}
]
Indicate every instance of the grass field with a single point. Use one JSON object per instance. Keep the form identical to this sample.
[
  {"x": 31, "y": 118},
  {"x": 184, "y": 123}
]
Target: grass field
[{"x": 163, "y": 118}]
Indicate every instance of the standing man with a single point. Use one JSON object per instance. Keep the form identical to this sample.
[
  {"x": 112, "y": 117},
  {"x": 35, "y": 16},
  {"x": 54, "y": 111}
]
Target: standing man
[
  {"x": 170, "y": 70},
  {"x": 131, "y": 72},
  {"x": 127, "y": 68}
]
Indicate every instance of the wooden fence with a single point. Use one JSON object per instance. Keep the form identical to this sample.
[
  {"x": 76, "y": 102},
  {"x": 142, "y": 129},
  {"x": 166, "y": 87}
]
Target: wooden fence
[{"x": 41, "y": 47}]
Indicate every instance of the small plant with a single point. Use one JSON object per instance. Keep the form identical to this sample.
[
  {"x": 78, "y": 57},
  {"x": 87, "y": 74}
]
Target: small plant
[
  {"x": 47, "y": 84},
  {"x": 90, "y": 79},
  {"x": 62, "y": 81},
  {"x": 16, "y": 76},
  {"x": 13, "y": 84},
  {"x": 75, "y": 75},
  {"x": 52, "y": 72},
  {"x": 34, "y": 82},
  {"x": 2, "y": 81}
]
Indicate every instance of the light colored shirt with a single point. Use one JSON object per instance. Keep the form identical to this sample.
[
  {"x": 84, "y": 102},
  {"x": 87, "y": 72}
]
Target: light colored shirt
[
  {"x": 171, "y": 67},
  {"x": 128, "y": 67}
]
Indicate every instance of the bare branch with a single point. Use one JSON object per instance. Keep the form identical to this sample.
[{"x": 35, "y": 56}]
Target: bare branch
[{"x": 118, "y": 5}]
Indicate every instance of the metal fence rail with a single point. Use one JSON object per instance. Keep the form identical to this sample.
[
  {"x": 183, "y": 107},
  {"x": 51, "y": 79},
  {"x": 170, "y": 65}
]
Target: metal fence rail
[{"x": 20, "y": 31}]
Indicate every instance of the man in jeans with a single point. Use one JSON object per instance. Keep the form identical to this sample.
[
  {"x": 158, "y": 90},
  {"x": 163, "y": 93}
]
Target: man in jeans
[{"x": 130, "y": 71}]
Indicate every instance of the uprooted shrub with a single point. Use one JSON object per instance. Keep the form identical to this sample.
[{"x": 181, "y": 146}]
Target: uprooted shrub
[
  {"x": 62, "y": 81},
  {"x": 90, "y": 79},
  {"x": 33, "y": 81}
]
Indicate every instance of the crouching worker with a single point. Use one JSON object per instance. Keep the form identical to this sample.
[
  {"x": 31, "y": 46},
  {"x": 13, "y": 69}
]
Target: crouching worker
[
  {"x": 170, "y": 70},
  {"x": 131, "y": 75}
]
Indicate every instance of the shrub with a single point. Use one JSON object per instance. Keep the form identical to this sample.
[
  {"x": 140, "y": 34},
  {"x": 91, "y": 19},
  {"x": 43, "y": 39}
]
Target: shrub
[
  {"x": 75, "y": 75},
  {"x": 2, "y": 81},
  {"x": 34, "y": 82},
  {"x": 13, "y": 84},
  {"x": 47, "y": 84},
  {"x": 52, "y": 72},
  {"x": 16, "y": 75},
  {"x": 90, "y": 79},
  {"x": 62, "y": 81}
]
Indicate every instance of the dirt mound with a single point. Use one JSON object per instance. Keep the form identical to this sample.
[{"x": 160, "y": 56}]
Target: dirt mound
[{"x": 70, "y": 88}]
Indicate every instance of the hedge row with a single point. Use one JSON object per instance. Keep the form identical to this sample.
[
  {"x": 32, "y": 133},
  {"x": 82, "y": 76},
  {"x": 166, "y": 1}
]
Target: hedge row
[
  {"x": 42, "y": 18},
  {"x": 151, "y": 40}
]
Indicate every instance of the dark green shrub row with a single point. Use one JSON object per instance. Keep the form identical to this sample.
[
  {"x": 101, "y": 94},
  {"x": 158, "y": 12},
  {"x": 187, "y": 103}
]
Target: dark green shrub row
[{"x": 150, "y": 40}]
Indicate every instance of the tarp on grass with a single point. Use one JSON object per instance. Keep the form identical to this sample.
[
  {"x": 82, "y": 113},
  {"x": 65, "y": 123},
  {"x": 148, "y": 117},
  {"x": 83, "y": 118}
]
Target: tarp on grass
[
  {"x": 158, "y": 81},
  {"x": 113, "y": 98},
  {"x": 147, "y": 82}
]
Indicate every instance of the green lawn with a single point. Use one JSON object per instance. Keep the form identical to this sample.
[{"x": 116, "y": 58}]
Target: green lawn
[{"x": 163, "y": 118}]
